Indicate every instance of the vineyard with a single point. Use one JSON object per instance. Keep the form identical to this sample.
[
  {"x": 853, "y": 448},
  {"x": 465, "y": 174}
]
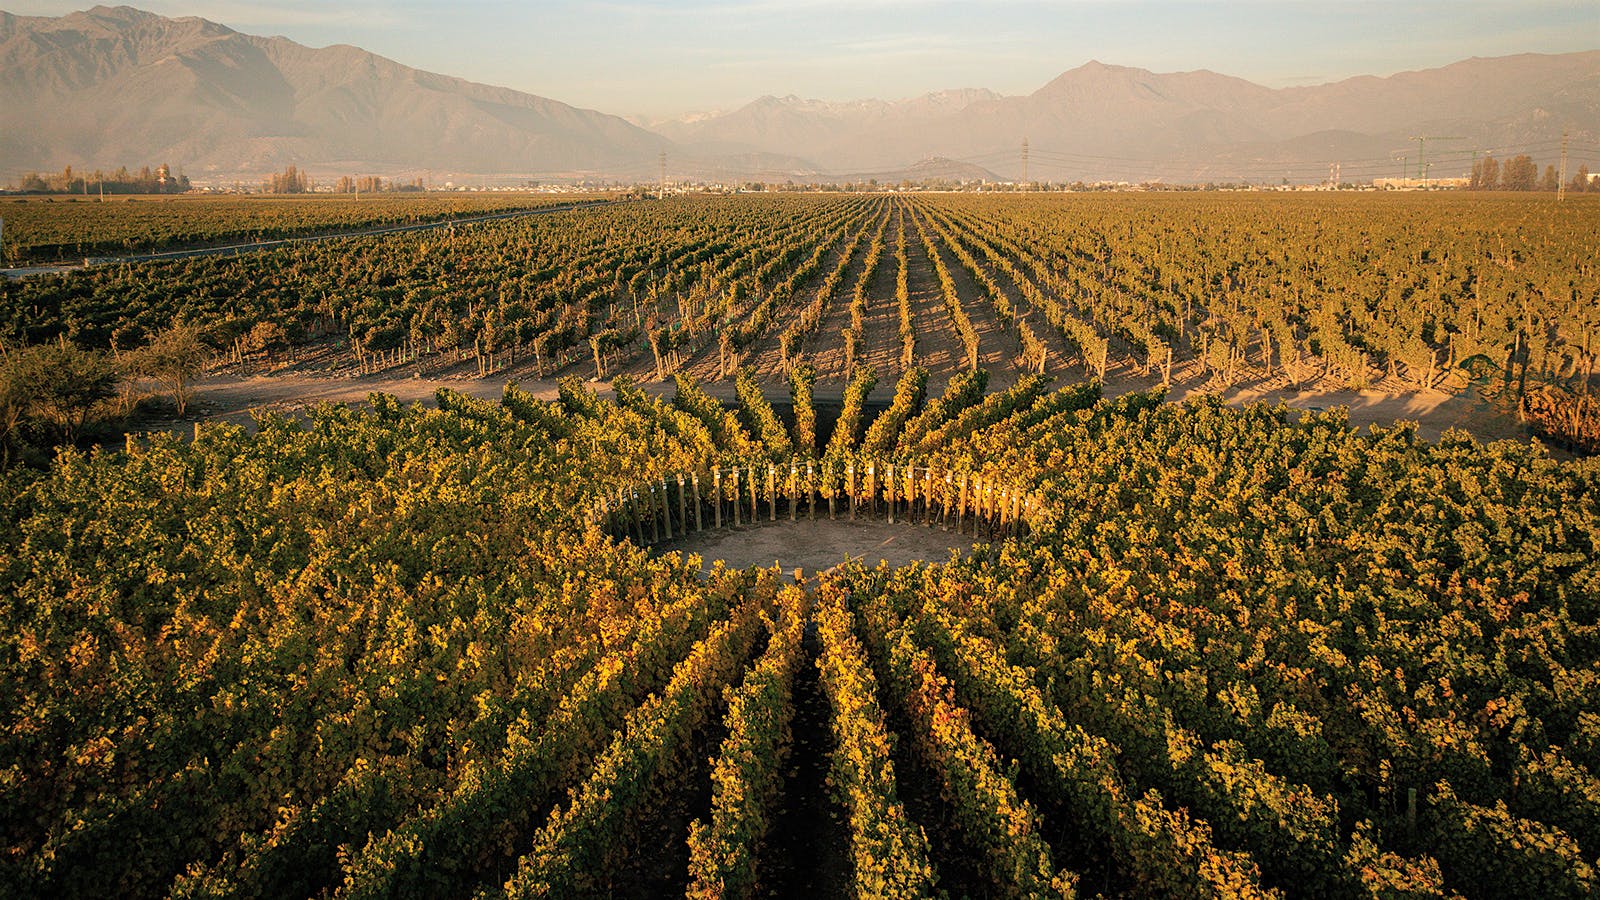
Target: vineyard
[
  {"x": 1198, "y": 651},
  {"x": 71, "y": 228},
  {"x": 1403, "y": 294}
]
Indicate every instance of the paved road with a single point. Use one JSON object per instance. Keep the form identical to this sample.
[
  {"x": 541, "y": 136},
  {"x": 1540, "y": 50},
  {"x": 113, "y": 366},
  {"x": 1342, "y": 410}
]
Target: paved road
[{"x": 252, "y": 246}]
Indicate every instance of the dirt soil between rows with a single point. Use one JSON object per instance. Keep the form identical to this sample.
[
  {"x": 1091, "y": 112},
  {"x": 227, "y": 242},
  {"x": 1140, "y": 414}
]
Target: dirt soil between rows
[
  {"x": 235, "y": 397},
  {"x": 816, "y": 546}
]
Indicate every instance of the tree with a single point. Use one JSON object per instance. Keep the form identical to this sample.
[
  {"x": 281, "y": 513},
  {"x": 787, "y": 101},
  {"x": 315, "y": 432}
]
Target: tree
[
  {"x": 1580, "y": 181},
  {"x": 1550, "y": 181},
  {"x": 290, "y": 181},
  {"x": 174, "y": 357},
  {"x": 1520, "y": 174},
  {"x": 1486, "y": 174},
  {"x": 57, "y": 386},
  {"x": 268, "y": 337}
]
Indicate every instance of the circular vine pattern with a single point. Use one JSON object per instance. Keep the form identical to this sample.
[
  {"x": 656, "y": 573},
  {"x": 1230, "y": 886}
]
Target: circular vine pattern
[{"x": 391, "y": 651}]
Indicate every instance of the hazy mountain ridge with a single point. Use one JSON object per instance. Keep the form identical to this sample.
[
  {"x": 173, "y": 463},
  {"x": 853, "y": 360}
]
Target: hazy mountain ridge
[
  {"x": 1109, "y": 121},
  {"x": 116, "y": 86}
]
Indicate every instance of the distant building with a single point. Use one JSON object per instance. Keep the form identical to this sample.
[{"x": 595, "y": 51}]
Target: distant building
[{"x": 1418, "y": 184}]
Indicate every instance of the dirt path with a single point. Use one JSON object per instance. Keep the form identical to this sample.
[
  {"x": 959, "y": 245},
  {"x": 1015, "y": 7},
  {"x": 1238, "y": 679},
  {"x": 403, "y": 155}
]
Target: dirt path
[
  {"x": 234, "y": 398},
  {"x": 815, "y": 546},
  {"x": 1433, "y": 411}
]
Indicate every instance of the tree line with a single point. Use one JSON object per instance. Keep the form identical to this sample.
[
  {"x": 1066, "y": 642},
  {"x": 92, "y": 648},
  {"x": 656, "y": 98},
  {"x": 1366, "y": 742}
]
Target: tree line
[
  {"x": 145, "y": 181},
  {"x": 1521, "y": 173}
]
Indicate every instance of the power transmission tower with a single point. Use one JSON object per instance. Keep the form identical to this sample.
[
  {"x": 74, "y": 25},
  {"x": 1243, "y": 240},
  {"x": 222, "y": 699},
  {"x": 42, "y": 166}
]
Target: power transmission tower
[
  {"x": 1422, "y": 149},
  {"x": 662, "y": 193},
  {"x": 1561, "y": 179},
  {"x": 1024, "y": 161}
]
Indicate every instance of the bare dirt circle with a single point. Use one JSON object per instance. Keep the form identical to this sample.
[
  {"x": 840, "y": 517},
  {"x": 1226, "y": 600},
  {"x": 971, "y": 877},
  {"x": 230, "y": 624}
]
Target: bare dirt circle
[{"x": 816, "y": 546}]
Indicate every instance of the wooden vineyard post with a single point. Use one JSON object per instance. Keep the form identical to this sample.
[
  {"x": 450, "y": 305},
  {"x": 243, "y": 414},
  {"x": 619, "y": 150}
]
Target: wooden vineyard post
[
  {"x": 983, "y": 505},
  {"x": 961, "y": 506},
  {"x": 655, "y": 527},
  {"x": 716, "y": 496},
  {"x": 850, "y": 486},
  {"x": 794, "y": 488},
  {"x": 737, "y": 499},
  {"x": 811, "y": 491},
  {"x": 944, "y": 501},
  {"x": 633, "y": 516},
  {"x": 914, "y": 494},
  {"x": 666, "y": 510},
  {"x": 832, "y": 491},
  {"x": 772, "y": 493},
  {"x": 699, "y": 523},
  {"x": 750, "y": 472},
  {"x": 888, "y": 489},
  {"x": 975, "y": 504},
  {"x": 683, "y": 518}
]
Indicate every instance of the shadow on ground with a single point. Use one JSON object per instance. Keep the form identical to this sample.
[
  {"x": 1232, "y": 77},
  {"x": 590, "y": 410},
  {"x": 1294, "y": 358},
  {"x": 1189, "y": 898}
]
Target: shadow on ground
[{"x": 815, "y": 546}]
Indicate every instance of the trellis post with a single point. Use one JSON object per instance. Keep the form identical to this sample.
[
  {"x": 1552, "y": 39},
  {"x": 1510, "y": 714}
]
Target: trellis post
[{"x": 699, "y": 523}]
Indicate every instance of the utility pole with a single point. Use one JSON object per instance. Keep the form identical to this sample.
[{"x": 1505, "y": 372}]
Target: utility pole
[
  {"x": 1561, "y": 180},
  {"x": 1024, "y": 161},
  {"x": 662, "y": 193}
]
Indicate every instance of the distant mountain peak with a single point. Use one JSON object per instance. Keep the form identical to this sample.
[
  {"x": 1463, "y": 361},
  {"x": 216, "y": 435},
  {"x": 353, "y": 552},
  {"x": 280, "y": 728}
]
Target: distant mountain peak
[{"x": 116, "y": 86}]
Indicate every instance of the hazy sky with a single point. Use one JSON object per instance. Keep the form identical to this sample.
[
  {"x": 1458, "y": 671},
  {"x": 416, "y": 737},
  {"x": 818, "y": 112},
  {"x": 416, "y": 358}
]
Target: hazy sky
[{"x": 654, "y": 57}]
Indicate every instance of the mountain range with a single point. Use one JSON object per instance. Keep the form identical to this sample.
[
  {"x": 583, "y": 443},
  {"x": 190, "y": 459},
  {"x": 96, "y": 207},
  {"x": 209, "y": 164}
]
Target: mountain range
[{"x": 117, "y": 86}]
